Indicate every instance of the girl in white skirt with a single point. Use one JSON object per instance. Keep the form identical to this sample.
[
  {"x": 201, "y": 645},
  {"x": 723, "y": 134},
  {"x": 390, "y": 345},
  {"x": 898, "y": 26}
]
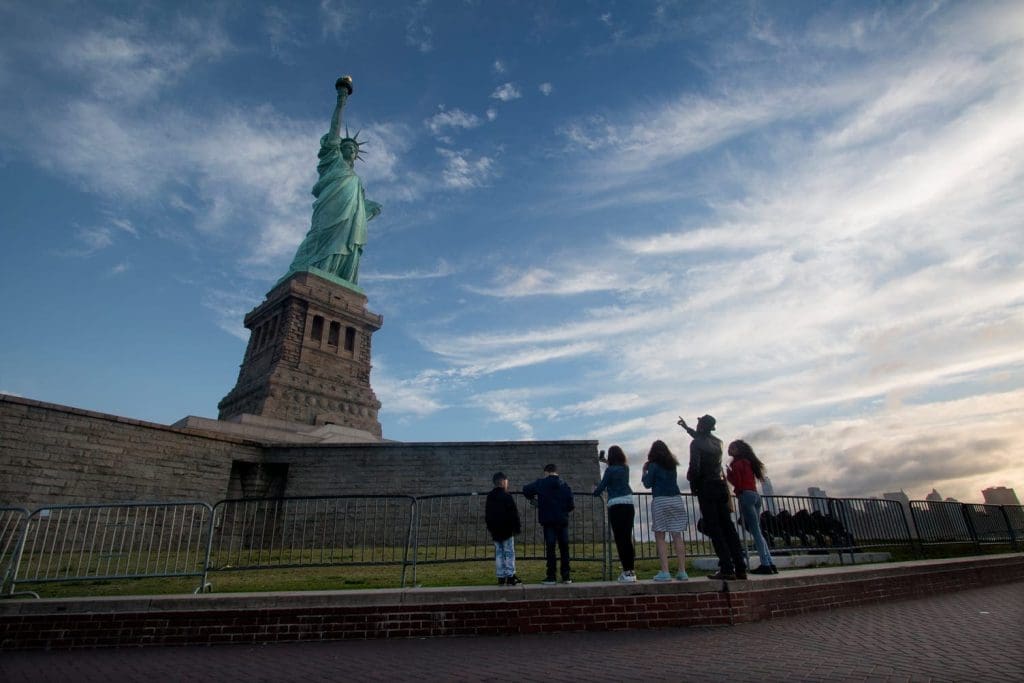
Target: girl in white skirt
[{"x": 668, "y": 513}]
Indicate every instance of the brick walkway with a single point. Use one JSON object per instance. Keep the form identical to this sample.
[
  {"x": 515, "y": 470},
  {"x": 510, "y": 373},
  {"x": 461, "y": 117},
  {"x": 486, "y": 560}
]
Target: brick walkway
[{"x": 975, "y": 635}]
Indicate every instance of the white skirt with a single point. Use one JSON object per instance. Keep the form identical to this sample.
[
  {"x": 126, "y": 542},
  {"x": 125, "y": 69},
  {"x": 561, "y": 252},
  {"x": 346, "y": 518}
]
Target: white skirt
[{"x": 668, "y": 513}]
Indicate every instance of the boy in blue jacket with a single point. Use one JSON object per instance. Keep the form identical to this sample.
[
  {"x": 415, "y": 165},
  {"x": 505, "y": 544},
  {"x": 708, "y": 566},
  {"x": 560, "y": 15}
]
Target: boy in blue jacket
[{"x": 554, "y": 503}]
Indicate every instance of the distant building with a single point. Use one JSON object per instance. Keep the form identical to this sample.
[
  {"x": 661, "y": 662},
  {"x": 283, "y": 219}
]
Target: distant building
[
  {"x": 934, "y": 497},
  {"x": 904, "y": 501},
  {"x": 1000, "y": 495},
  {"x": 819, "y": 505},
  {"x": 768, "y": 490}
]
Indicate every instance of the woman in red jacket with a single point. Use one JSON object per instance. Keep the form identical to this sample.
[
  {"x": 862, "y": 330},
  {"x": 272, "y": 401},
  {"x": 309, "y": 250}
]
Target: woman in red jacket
[{"x": 743, "y": 473}]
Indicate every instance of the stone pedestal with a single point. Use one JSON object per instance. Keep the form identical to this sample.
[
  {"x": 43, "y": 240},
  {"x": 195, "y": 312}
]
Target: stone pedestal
[{"x": 308, "y": 359}]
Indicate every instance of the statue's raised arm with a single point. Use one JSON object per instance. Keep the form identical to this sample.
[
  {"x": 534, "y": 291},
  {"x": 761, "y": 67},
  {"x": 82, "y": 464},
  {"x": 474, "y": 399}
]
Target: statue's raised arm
[
  {"x": 334, "y": 243},
  {"x": 343, "y": 86}
]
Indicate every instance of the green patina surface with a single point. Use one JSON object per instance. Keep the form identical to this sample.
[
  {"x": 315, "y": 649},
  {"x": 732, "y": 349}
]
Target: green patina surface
[{"x": 334, "y": 244}]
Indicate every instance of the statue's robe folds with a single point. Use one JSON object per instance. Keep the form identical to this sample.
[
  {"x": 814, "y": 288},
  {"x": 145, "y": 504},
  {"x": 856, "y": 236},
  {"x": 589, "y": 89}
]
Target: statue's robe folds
[{"x": 337, "y": 234}]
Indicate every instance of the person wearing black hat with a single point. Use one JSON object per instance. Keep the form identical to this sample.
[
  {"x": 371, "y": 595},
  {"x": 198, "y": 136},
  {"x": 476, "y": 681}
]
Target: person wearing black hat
[{"x": 708, "y": 483}]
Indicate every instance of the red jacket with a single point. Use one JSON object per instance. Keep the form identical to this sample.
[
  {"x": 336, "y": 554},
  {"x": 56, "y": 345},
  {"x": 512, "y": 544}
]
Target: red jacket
[{"x": 741, "y": 475}]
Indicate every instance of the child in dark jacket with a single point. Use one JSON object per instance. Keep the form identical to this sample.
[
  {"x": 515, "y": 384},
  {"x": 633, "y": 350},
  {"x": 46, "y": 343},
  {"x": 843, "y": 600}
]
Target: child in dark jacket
[
  {"x": 502, "y": 518},
  {"x": 554, "y": 503}
]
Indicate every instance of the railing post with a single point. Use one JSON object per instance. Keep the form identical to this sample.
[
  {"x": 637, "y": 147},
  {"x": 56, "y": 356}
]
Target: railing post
[
  {"x": 204, "y": 585},
  {"x": 11, "y": 572},
  {"x": 411, "y": 540}
]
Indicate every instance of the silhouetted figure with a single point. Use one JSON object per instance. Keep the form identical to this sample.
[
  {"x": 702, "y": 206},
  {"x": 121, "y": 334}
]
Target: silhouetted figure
[{"x": 708, "y": 483}]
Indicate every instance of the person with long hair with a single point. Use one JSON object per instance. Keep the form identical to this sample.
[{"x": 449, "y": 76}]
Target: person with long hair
[
  {"x": 620, "y": 508},
  {"x": 668, "y": 513},
  {"x": 745, "y": 470}
]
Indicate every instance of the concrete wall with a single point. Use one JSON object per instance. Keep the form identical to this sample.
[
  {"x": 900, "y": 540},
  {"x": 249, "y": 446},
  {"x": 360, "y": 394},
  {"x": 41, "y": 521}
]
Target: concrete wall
[{"x": 51, "y": 454}]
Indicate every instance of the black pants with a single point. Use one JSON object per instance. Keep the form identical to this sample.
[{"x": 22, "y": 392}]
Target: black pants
[
  {"x": 620, "y": 518},
  {"x": 718, "y": 526},
  {"x": 559, "y": 535}
]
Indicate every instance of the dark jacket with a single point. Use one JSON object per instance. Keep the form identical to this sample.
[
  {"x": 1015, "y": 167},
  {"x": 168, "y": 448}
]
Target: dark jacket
[
  {"x": 554, "y": 500},
  {"x": 501, "y": 515},
  {"x": 705, "y": 470}
]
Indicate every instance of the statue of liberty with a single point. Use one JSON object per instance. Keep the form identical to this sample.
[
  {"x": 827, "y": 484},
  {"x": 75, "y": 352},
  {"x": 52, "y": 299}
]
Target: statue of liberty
[{"x": 337, "y": 234}]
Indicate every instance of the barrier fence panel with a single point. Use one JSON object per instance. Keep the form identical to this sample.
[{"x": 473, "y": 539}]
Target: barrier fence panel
[
  {"x": 870, "y": 523},
  {"x": 313, "y": 531},
  {"x": 104, "y": 542},
  {"x": 13, "y": 522},
  {"x": 940, "y": 522},
  {"x": 809, "y": 523},
  {"x": 1014, "y": 516},
  {"x": 452, "y": 528},
  {"x": 987, "y": 523}
]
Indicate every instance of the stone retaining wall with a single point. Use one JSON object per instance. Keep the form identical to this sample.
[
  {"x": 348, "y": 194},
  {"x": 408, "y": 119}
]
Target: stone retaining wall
[{"x": 51, "y": 455}]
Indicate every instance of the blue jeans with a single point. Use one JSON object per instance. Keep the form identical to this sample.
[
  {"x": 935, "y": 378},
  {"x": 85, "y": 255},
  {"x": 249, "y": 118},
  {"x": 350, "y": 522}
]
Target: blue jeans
[
  {"x": 505, "y": 557},
  {"x": 557, "y": 535},
  {"x": 750, "y": 509}
]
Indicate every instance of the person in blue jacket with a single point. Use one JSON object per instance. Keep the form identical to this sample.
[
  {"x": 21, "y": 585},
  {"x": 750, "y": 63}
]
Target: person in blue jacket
[
  {"x": 554, "y": 503},
  {"x": 620, "y": 508}
]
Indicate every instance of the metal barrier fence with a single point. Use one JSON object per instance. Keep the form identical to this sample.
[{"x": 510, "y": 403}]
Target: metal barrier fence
[
  {"x": 940, "y": 522},
  {"x": 861, "y": 523},
  {"x": 65, "y": 543},
  {"x": 12, "y": 527},
  {"x": 451, "y": 528},
  {"x": 1014, "y": 515},
  {"x": 326, "y": 531}
]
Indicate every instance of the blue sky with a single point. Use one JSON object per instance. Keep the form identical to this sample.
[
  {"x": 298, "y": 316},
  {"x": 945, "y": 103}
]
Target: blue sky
[{"x": 803, "y": 218}]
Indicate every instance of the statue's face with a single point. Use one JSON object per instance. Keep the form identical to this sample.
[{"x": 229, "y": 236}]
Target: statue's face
[{"x": 348, "y": 151}]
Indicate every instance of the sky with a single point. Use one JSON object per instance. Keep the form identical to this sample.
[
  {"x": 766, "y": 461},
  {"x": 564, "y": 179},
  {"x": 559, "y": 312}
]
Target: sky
[{"x": 803, "y": 218}]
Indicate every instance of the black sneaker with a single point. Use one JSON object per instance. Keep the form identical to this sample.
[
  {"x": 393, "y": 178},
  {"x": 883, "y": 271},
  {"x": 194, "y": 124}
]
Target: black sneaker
[
  {"x": 513, "y": 581},
  {"x": 550, "y": 581},
  {"x": 501, "y": 580},
  {"x": 566, "y": 580},
  {"x": 764, "y": 570},
  {"x": 723, "y": 576},
  {"x": 775, "y": 570},
  {"x": 741, "y": 575}
]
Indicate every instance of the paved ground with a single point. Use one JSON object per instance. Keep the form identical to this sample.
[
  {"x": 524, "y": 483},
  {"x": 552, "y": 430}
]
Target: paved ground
[{"x": 975, "y": 635}]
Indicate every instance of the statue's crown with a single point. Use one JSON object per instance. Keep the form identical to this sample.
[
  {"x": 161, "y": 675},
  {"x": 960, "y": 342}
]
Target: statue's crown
[{"x": 355, "y": 141}]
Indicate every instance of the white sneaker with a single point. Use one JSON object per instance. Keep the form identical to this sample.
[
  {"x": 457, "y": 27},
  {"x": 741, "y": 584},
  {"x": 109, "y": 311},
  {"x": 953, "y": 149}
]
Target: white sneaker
[{"x": 627, "y": 577}]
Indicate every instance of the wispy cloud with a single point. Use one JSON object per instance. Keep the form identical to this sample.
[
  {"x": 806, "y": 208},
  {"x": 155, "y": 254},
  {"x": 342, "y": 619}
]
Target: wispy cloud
[
  {"x": 229, "y": 309},
  {"x": 506, "y": 92},
  {"x": 442, "y": 269},
  {"x": 868, "y": 258},
  {"x": 451, "y": 118},
  {"x": 282, "y": 32},
  {"x": 334, "y": 16},
  {"x": 418, "y": 33},
  {"x": 546, "y": 88},
  {"x": 462, "y": 171},
  {"x": 417, "y": 397}
]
